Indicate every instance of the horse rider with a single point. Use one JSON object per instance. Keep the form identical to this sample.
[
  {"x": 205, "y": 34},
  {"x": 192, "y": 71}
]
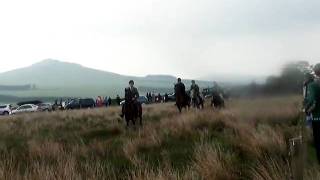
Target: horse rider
[
  {"x": 312, "y": 107},
  {"x": 131, "y": 96},
  {"x": 217, "y": 89},
  {"x": 217, "y": 96},
  {"x": 180, "y": 88},
  {"x": 195, "y": 93},
  {"x": 180, "y": 91}
]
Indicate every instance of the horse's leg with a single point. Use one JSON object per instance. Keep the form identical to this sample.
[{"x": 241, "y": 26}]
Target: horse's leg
[
  {"x": 127, "y": 122},
  {"x": 140, "y": 120},
  {"x": 198, "y": 104}
]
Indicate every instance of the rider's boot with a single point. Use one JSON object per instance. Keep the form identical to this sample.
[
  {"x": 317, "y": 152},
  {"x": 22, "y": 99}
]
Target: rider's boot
[{"x": 122, "y": 112}]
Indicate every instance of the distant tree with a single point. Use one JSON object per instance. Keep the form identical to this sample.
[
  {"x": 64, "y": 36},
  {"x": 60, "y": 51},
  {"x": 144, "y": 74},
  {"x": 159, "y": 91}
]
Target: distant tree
[{"x": 290, "y": 79}]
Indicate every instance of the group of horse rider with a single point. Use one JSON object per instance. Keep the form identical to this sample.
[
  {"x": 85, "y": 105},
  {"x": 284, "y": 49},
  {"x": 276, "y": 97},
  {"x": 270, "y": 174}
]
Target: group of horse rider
[
  {"x": 182, "y": 97},
  {"x": 311, "y": 101}
]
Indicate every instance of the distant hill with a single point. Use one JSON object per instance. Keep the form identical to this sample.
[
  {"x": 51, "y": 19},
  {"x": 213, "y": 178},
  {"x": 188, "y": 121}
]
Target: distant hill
[
  {"x": 52, "y": 73},
  {"x": 57, "y": 78}
]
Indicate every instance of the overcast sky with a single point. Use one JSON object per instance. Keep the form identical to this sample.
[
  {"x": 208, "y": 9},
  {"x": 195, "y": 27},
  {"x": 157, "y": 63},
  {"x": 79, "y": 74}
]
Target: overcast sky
[{"x": 188, "y": 38}]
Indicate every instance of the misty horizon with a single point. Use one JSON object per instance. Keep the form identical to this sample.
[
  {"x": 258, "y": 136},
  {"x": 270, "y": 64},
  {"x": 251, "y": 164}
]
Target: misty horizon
[{"x": 209, "y": 77}]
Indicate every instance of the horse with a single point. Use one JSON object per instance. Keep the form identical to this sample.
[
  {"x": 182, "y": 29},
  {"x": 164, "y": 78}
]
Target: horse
[
  {"x": 132, "y": 112},
  {"x": 183, "y": 101},
  {"x": 217, "y": 101},
  {"x": 198, "y": 102}
]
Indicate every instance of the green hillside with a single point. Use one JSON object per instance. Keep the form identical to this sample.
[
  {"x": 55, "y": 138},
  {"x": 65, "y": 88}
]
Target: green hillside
[{"x": 56, "y": 78}]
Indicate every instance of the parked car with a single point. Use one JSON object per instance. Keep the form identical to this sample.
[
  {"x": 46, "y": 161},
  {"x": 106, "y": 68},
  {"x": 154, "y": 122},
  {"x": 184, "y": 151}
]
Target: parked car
[
  {"x": 5, "y": 109},
  {"x": 35, "y": 102},
  {"x": 81, "y": 103},
  {"x": 25, "y": 108},
  {"x": 141, "y": 99},
  {"x": 45, "y": 107},
  {"x": 171, "y": 97}
]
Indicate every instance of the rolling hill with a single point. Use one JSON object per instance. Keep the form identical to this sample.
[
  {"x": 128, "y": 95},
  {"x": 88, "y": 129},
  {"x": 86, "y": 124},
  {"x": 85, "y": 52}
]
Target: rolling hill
[{"x": 57, "y": 78}]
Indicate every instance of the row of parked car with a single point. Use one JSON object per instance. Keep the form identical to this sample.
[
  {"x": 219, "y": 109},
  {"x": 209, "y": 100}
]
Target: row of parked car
[
  {"x": 35, "y": 106},
  {"x": 8, "y": 109}
]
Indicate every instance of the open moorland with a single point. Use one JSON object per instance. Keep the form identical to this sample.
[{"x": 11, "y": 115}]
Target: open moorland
[{"x": 247, "y": 140}]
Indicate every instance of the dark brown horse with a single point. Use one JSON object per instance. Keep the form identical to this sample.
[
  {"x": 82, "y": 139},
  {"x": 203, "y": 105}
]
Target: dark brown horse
[
  {"x": 198, "y": 102},
  {"x": 183, "y": 101},
  {"x": 217, "y": 101},
  {"x": 132, "y": 112}
]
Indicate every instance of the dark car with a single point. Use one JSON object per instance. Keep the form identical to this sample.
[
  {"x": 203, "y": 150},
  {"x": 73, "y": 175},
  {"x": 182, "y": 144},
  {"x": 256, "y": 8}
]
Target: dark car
[
  {"x": 81, "y": 103},
  {"x": 171, "y": 97},
  {"x": 143, "y": 100}
]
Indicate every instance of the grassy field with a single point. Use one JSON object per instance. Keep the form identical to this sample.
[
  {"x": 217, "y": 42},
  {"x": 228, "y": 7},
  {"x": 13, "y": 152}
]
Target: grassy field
[{"x": 248, "y": 140}]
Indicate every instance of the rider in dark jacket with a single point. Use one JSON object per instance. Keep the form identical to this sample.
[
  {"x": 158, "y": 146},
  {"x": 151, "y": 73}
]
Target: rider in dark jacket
[
  {"x": 180, "y": 88},
  {"x": 131, "y": 96},
  {"x": 180, "y": 92}
]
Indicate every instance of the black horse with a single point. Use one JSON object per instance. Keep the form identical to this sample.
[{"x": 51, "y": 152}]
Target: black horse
[
  {"x": 132, "y": 112},
  {"x": 183, "y": 101},
  {"x": 198, "y": 102},
  {"x": 217, "y": 101}
]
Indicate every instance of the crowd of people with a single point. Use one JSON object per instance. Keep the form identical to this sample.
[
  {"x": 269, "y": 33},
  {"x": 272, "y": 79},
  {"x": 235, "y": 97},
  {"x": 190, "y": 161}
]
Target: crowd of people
[{"x": 153, "y": 98}]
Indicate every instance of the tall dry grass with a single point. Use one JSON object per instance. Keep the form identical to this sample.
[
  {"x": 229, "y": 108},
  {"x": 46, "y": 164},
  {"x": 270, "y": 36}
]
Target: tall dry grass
[{"x": 248, "y": 140}]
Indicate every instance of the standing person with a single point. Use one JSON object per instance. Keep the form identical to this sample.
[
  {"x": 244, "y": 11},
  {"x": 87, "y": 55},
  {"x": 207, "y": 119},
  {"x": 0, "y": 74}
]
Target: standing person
[
  {"x": 159, "y": 98},
  {"x": 118, "y": 99},
  {"x": 148, "y": 97},
  {"x": 195, "y": 93},
  {"x": 109, "y": 101},
  {"x": 309, "y": 78},
  {"x": 312, "y": 107},
  {"x": 105, "y": 101},
  {"x": 99, "y": 101},
  {"x": 153, "y": 97},
  {"x": 166, "y": 97}
]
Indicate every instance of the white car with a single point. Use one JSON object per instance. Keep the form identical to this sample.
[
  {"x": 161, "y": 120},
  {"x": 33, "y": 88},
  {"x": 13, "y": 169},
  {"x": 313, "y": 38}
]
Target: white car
[
  {"x": 5, "y": 109},
  {"x": 25, "y": 108}
]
